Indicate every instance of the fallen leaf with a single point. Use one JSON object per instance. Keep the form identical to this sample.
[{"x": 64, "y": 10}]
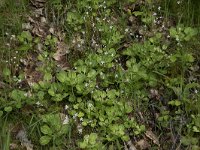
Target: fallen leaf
[
  {"x": 62, "y": 49},
  {"x": 152, "y": 137},
  {"x": 27, "y": 26},
  {"x": 131, "y": 146},
  {"x": 143, "y": 144},
  {"x": 23, "y": 138}
]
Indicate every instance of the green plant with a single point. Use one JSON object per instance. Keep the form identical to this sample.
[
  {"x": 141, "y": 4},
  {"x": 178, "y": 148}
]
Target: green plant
[
  {"x": 91, "y": 142},
  {"x": 53, "y": 129}
]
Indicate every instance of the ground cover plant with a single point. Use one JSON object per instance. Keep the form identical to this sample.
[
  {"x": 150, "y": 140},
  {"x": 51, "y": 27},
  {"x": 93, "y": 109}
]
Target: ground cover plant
[{"x": 95, "y": 74}]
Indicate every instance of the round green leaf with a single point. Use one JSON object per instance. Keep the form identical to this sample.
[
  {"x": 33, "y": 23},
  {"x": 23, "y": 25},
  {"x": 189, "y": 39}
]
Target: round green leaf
[
  {"x": 44, "y": 140},
  {"x": 8, "y": 109},
  {"x": 46, "y": 130}
]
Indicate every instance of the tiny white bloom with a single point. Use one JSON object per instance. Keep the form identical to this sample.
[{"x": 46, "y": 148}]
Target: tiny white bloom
[
  {"x": 154, "y": 14},
  {"x": 66, "y": 120},
  {"x": 81, "y": 119},
  {"x": 90, "y": 105},
  {"x": 75, "y": 115},
  {"x": 66, "y": 107}
]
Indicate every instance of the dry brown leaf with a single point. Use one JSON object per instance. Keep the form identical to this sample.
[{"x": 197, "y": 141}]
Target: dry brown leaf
[
  {"x": 14, "y": 146},
  {"x": 39, "y": 31},
  {"x": 23, "y": 138},
  {"x": 62, "y": 49},
  {"x": 152, "y": 137},
  {"x": 38, "y": 3},
  {"x": 38, "y": 12},
  {"x": 131, "y": 146},
  {"x": 143, "y": 144},
  {"x": 27, "y": 26}
]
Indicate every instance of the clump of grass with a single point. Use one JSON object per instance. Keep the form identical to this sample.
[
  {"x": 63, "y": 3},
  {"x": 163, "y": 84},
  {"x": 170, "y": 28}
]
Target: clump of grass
[
  {"x": 185, "y": 11},
  {"x": 4, "y": 134}
]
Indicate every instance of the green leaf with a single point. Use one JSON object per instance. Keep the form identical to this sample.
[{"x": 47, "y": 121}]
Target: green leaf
[
  {"x": 8, "y": 109},
  {"x": 92, "y": 73},
  {"x": 27, "y": 35},
  {"x": 44, "y": 140},
  {"x": 1, "y": 113},
  {"x": 6, "y": 72},
  {"x": 46, "y": 130},
  {"x": 93, "y": 138},
  {"x": 173, "y": 32},
  {"x": 51, "y": 92},
  {"x": 47, "y": 76},
  {"x": 25, "y": 47},
  {"x": 128, "y": 108},
  {"x": 177, "y": 103},
  {"x": 62, "y": 76},
  {"x": 80, "y": 114},
  {"x": 188, "y": 58},
  {"x": 83, "y": 145},
  {"x": 138, "y": 13}
]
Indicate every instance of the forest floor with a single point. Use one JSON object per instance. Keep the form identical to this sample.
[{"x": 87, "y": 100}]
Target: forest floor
[{"x": 99, "y": 75}]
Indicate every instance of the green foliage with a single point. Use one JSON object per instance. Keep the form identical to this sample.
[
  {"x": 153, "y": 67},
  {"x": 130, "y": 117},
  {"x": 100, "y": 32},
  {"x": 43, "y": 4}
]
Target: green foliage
[
  {"x": 104, "y": 94},
  {"x": 53, "y": 129},
  {"x": 91, "y": 142}
]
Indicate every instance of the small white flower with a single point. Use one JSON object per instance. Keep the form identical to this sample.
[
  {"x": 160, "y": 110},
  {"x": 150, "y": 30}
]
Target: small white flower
[
  {"x": 126, "y": 30},
  {"x": 66, "y": 107},
  {"x": 80, "y": 129},
  {"x": 159, "y": 8},
  {"x": 38, "y": 103},
  {"x": 66, "y": 120},
  {"x": 86, "y": 84},
  {"x": 154, "y": 14},
  {"x": 75, "y": 115},
  {"x": 90, "y": 105}
]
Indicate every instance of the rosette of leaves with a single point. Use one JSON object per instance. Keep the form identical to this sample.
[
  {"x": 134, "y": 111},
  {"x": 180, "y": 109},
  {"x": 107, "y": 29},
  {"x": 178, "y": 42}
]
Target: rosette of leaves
[{"x": 53, "y": 129}]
